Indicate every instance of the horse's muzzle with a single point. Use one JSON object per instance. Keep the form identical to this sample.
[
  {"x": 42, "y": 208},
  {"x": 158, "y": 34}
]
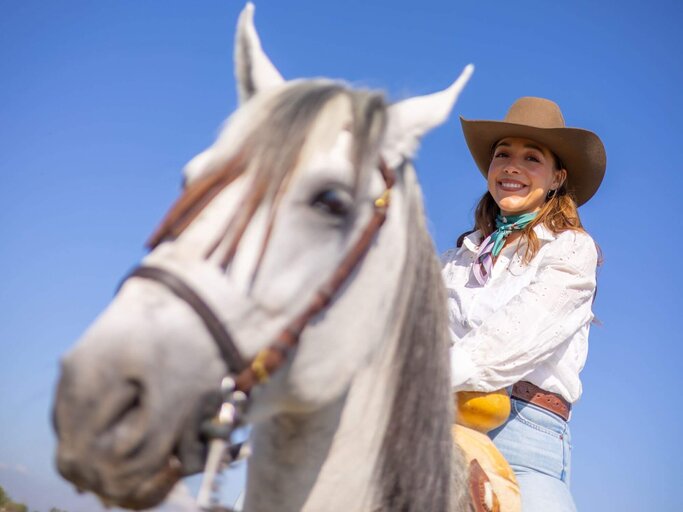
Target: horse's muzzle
[{"x": 106, "y": 444}]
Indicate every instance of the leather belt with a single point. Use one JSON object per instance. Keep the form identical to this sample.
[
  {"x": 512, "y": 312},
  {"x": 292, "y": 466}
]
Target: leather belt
[{"x": 552, "y": 402}]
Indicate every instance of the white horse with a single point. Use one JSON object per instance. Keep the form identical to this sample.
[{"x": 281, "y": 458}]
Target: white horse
[{"x": 357, "y": 414}]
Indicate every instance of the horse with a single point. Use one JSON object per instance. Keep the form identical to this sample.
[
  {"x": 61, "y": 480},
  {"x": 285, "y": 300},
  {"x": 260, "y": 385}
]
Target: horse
[{"x": 302, "y": 223}]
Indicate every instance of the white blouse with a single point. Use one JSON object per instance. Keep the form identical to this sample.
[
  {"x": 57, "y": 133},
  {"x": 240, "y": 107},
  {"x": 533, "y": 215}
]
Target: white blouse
[{"x": 528, "y": 322}]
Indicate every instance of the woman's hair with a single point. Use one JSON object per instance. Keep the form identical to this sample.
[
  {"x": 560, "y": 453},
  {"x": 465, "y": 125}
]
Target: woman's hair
[{"x": 559, "y": 213}]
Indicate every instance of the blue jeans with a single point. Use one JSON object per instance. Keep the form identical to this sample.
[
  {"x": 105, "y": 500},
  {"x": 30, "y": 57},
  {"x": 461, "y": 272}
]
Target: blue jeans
[{"x": 537, "y": 445}]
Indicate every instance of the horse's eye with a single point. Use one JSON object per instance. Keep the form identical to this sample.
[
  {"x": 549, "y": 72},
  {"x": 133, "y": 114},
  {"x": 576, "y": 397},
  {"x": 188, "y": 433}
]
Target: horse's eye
[{"x": 333, "y": 202}]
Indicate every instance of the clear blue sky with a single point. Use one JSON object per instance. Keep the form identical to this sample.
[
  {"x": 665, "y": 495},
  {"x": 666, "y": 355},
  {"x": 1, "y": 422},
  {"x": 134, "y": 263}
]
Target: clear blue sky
[{"x": 102, "y": 103}]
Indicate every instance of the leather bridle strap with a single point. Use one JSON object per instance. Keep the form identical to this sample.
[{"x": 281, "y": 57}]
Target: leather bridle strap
[
  {"x": 214, "y": 325},
  {"x": 268, "y": 360}
]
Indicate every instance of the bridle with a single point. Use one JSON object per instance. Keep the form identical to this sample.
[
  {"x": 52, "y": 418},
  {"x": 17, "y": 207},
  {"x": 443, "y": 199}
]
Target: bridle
[
  {"x": 237, "y": 388},
  {"x": 268, "y": 360}
]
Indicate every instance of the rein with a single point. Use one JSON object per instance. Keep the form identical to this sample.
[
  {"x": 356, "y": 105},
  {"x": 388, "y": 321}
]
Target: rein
[{"x": 237, "y": 388}]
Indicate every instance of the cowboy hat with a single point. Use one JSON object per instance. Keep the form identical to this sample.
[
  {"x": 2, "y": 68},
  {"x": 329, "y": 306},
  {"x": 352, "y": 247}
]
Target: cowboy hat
[{"x": 581, "y": 151}]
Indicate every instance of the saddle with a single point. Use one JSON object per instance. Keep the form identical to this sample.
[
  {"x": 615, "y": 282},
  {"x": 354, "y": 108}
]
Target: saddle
[{"x": 492, "y": 483}]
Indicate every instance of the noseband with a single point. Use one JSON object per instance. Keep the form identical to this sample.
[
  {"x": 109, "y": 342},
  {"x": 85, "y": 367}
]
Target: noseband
[{"x": 214, "y": 325}]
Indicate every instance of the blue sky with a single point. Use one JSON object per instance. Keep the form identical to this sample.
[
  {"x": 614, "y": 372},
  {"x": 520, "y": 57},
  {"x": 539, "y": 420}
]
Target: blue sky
[{"x": 102, "y": 103}]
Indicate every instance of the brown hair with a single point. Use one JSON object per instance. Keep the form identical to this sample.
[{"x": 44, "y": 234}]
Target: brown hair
[{"x": 558, "y": 214}]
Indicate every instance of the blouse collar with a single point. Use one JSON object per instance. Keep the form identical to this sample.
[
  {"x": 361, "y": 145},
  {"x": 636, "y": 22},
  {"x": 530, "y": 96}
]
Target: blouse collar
[{"x": 472, "y": 241}]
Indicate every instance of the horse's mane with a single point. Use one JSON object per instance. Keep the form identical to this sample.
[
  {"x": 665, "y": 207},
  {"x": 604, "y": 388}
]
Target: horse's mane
[{"x": 416, "y": 464}]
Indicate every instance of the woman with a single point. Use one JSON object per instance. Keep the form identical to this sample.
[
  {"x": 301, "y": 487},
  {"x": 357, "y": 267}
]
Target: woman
[{"x": 521, "y": 286}]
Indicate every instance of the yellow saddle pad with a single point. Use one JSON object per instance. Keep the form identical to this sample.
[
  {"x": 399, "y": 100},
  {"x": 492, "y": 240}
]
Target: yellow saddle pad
[{"x": 476, "y": 414}]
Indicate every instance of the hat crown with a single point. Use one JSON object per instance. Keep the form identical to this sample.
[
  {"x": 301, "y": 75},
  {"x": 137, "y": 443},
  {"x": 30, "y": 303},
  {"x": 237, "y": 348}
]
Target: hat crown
[{"x": 536, "y": 112}]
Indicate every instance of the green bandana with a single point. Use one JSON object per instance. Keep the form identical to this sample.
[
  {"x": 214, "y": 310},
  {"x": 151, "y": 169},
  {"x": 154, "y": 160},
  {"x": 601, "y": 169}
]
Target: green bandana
[
  {"x": 505, "y": 226},
  {"x": 493, "y": 244}
]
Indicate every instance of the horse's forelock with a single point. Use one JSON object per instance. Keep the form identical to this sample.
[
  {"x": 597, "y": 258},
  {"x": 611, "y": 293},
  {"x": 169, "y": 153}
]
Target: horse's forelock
[
  {"x": 271, "y": 152},
  {"x": 277, "y": 142}
]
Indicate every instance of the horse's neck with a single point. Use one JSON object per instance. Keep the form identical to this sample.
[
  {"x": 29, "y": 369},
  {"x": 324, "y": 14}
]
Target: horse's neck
[
  {"x": 324, "y": 461},
  {"x": 349, "y": 455}
]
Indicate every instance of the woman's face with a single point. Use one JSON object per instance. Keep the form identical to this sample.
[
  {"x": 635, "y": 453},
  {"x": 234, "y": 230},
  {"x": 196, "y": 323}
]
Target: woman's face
[{"x": 521, "y": 174}]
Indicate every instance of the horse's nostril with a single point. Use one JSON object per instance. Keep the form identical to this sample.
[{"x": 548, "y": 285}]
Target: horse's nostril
[
  {"x": 128, "y": 402},
  {"x": 124, "y": 433}
]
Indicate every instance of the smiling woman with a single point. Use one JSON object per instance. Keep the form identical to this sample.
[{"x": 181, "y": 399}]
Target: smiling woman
[
  {"x": 521, "y": 288},
  {"x": 522, "y": 175}
]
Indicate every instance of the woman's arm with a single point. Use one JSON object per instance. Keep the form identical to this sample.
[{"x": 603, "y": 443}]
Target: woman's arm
[{"x": 514, "y": 340}]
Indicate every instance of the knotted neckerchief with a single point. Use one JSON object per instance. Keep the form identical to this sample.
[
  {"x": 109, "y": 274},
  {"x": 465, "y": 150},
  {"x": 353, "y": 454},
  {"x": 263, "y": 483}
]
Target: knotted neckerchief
[{"x": 493, "y": 244}]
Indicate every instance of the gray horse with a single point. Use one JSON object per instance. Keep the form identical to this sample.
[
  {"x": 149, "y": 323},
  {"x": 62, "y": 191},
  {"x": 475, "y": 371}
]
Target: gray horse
[{"x": 358, "y": 415}]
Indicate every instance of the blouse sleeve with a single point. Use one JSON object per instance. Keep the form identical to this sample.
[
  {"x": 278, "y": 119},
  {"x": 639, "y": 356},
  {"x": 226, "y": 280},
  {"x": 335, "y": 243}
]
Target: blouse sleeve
[{"x": 518, "y": 337}]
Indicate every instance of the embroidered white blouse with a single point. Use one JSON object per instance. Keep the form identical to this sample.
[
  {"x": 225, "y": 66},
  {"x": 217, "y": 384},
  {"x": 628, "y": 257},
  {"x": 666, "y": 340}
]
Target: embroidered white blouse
[{"x": 528, "y": 322}]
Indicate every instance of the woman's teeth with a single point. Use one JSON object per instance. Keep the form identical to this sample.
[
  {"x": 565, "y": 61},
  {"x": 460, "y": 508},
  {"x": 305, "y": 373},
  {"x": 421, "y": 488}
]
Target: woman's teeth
[{"x": 511, "y": 186}]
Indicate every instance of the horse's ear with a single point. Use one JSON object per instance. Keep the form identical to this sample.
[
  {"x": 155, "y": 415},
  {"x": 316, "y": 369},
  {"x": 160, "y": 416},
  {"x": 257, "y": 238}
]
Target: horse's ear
[
  {"x": 253, "y": 68},
  {"x": 410, "y": 119}
]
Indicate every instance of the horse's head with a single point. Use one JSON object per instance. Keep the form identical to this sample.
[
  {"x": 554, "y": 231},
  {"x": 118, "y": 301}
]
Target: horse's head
[{"x": 268, "y": 215}]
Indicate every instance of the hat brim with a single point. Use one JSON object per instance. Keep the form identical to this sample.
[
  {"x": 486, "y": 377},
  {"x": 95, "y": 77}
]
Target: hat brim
[{"x": 581, "y": 151}]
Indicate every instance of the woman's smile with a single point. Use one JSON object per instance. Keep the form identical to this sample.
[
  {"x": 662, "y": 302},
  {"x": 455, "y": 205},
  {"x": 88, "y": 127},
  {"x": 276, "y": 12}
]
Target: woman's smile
[{"x": 508, "y": 185}]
